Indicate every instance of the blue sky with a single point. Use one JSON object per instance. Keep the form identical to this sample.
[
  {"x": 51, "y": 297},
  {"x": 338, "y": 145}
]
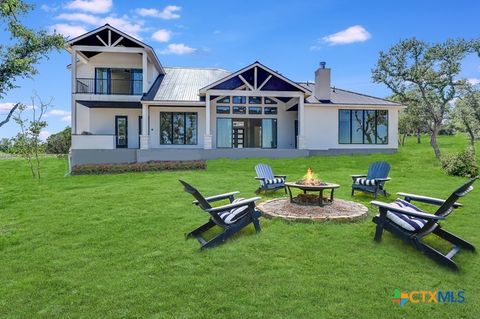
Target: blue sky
[{"x": 289, "y": 36}]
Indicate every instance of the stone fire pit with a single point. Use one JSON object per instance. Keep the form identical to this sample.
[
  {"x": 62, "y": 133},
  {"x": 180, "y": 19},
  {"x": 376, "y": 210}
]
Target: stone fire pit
[{"x": 339, "y": 210}]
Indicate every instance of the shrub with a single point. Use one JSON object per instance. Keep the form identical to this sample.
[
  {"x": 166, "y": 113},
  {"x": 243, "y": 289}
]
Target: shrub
[
  {"x": 461, "y": 164},
  {"x": 137, "y": 167},
  {"x": 59, "y": 143}
]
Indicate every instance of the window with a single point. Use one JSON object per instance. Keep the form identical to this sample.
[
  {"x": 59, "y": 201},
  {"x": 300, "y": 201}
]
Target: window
[
  {"x": 239, "y": 100},
  {"x": 363, "y": 127},
  {"x": 223, "y": 109},
  {"x": 118, "y": 81},
  {"x": 254, "y": 110},
  {"x": 269, "y": 101},
  {"x": 239, "y": 109},
  {"x": 178, "y": 128},
  {"x": 270, "y": 110},
  {"x": 254, "y": 100},
  {"x": 225, "y": 99}
]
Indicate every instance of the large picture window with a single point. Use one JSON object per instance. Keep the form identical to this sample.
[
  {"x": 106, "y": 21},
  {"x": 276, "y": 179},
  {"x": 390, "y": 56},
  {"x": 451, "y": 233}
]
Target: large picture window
[
  {"x": 363, "y": 127},
  {"x": 178, "y": 128}
]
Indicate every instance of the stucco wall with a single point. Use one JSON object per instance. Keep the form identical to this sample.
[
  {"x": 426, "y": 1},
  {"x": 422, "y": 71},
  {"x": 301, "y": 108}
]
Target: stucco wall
[
  {"x": 321, "y": 128},
  {"x": 102, "y": 121}
]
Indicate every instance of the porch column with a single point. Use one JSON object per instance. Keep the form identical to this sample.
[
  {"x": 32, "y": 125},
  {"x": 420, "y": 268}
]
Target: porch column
[
  {"x": 144, "y": 72},
  {"x": 73, "y": 110},
  {"x": 301, "y": 143},
  {"x": 145, "y": 137},
  {"x": 207, "y": 138}
]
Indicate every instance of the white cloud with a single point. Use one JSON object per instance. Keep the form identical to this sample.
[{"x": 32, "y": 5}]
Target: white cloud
[
  {"x": 168, "y": 13},
  {"x": 122, "y": 23},
  {"x": 44, "y": 135},
  {"x": 6, "y": 106},
  {"x": 58, "y": 112},
  {"x": 94, "y": 6},
  {"x": 48, "y": 8},
  {"x": 162, "y": 35},
  {"x": 67, "y": 119},
  {"x": 68, "y": 30},
  {"x": 473, "y": 81},
  {"x": 178, "y": 48},
  {"x": 355, "y": 33}
]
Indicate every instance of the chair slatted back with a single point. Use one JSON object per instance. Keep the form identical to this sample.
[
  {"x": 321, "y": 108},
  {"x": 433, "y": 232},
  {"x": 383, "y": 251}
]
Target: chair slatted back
[
  {"x": 202, "y": 202},
  {"x": 264, "y": 170},
  {"x": 463, "y": 190},
  {"x": 378, "y": 170}
]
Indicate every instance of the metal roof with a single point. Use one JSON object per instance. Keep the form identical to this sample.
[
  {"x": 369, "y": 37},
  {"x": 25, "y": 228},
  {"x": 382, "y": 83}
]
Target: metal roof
[
  {"x": 183, "y": 84},
  {"x": 344, "y": 97}
]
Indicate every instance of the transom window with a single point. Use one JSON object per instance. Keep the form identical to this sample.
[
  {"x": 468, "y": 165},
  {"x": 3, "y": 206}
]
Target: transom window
[
  {"x": 363, "y": 127},
  {"x": 254, "y": 100},
  {"x": 223, "y": 109},
  {"x": 239, "y": 109},
  {"x": 178, "y": 128},
  {"x": 254, "y": 110},
  {"x": 270, "y": 110},
  {"x": 268, "y": 100},
  {"x": 239, "y": 100}
]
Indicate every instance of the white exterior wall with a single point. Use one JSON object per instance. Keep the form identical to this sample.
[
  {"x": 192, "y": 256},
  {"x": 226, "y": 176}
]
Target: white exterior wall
[
  {"x": 109, "y": 60},
  {"x": 154, "y": 125},
  {"x": 102, "y": 122},
  {"x": 285, "y": 123},
  {"x": 321, "y": 128}
]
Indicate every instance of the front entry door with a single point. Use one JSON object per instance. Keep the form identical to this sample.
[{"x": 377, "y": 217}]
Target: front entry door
[{"x": 121, "y": 131}]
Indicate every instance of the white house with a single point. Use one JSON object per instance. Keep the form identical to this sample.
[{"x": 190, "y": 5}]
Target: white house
[{"x": 127, "y": 107}]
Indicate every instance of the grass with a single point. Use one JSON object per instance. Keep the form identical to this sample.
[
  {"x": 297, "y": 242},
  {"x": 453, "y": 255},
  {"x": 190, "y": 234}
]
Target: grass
[{"x": 112, "y": 246}]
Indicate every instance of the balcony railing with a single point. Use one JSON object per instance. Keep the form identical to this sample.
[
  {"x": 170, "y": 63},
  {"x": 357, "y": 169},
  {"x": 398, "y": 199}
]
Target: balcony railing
[{"x": 109, "y": 86}]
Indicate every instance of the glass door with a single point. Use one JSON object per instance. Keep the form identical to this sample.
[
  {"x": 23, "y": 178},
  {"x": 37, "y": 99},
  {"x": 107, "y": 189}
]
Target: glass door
[
  {"x": 137, "y": 81},
  {"x": 102, "y": 81},
  {"x": 269, "y": 133},
  {"x": 121, "y": 131},
  {"x": 224, "y": 133}
]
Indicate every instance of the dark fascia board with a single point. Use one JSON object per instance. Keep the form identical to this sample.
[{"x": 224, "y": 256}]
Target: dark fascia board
[
  {"x": 108, "y": 26},
  {"x": 111, "y": 104}
]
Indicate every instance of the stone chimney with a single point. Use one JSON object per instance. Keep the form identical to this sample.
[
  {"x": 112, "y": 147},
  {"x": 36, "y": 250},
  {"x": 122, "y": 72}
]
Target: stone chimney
[{"x": 322, "y": 83}]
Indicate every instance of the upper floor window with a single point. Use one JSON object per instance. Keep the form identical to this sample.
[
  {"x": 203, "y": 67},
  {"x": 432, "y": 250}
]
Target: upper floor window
[{"x": 363, "y": 127}]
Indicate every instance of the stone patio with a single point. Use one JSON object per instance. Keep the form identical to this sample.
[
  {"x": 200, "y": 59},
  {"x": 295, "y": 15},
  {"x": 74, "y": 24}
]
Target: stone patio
[{"x": 340, "y": 211}]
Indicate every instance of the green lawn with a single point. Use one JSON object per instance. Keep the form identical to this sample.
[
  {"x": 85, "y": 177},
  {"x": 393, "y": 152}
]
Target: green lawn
[{"x": 112, "y": 246}]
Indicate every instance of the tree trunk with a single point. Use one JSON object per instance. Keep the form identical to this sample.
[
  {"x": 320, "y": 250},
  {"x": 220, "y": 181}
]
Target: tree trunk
[
  {"x": 419, "y": 136},
  {"x": 403, "y": 138},
  {"x": 433, "y": 142},
  {"x": 471, "y": 134}
]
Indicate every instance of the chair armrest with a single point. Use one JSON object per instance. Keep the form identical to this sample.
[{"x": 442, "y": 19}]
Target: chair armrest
[
  {"x": 359, "y": 175},
  {"x": 233, "y": 205},
  {"x": 397, "y": 209},
  {"x": 426, "y": 199},
  {"x": 386, "y": 179},
  {"x": 280, "y": 176},
  {"x": 218, "y": 197},
  {"x": 260, "y": 178}
]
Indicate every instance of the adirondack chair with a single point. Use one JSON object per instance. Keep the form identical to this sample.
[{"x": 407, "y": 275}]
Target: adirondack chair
[
  {"x": 231, "y": 218},
  {"x": 374, "y": 181},
  {"x": 411, "y": 224},
  {"x": 267, "y": 180}
]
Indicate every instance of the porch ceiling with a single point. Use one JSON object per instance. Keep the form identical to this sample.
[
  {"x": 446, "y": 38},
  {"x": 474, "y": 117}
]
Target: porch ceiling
[{"x": 111, "y": 104}]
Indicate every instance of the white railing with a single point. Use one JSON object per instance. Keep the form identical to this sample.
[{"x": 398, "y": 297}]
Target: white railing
[{"x": 93, "y": 142}]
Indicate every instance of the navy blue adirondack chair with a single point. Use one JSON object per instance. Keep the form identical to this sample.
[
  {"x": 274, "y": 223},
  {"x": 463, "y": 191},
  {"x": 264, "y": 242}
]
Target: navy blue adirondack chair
[
  {"x": 267, "y": 180},
  {"x": 232, "y": 217},
  {"x": 374, "y": 181},
  {"x": 411, "y": 223}
]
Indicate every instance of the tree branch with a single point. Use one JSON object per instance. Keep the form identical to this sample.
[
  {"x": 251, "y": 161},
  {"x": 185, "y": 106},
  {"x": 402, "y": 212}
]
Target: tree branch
[{"x": 5, "y": 121}]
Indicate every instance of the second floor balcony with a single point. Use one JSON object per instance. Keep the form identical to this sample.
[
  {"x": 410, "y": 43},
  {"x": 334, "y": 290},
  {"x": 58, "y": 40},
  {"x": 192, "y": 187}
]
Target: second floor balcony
[
  {"x": 109, "y": 86},
  {"x": 108, "y": 81}
]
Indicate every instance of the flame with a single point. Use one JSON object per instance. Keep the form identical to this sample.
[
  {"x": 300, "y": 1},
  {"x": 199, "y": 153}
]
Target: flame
[{"x": 310, "y": 178}]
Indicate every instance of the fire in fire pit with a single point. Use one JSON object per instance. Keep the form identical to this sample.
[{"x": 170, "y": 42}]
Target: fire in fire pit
[{"x": 310, "y": 179}]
